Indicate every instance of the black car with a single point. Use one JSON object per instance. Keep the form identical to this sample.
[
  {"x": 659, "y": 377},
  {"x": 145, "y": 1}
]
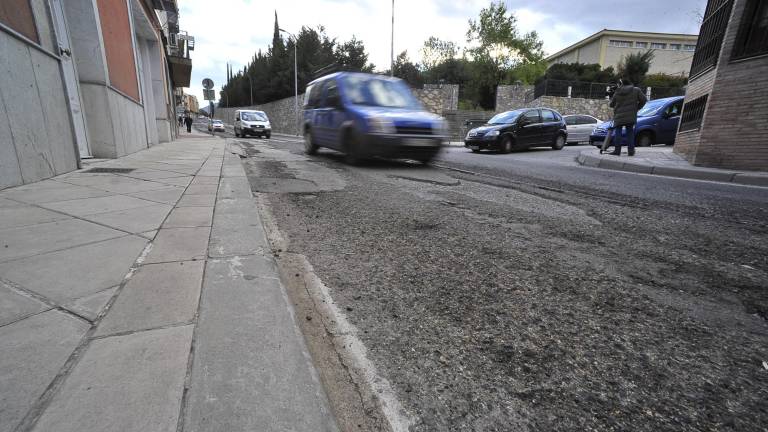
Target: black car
[{"x": 519, "y": 129}]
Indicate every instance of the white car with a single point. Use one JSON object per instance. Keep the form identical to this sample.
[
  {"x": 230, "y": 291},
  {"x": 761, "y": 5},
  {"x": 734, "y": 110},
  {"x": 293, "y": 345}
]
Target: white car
[
  {"x": 216, "y": 126},
  {"x": 579, "y": 127},
  {"x": 251, "y": 122}
]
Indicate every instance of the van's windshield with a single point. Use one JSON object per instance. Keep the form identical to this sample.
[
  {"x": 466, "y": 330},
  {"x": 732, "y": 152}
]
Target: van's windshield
[
  {"x": 381, "y": 92},
  {"x": 252, "y": 116}
]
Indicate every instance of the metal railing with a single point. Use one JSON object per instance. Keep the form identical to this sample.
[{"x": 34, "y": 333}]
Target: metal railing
[{"x": 592, "y": 90}]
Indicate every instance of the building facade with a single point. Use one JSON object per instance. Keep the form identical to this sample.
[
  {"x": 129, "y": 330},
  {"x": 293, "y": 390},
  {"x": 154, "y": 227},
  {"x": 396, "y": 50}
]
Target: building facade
[
  {"x": 673, "y": 53},
  {"x": 725, "y": 117},
  {"x": 82, "y": 78}
]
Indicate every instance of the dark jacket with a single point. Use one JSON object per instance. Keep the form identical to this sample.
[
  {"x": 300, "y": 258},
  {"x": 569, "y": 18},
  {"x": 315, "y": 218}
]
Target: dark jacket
[
  {"x": 626, "y": 102},
  {"x": 188, "y": 121}
]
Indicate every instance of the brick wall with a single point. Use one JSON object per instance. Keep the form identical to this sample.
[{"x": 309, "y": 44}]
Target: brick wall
[{"x": 733, "y": 134}]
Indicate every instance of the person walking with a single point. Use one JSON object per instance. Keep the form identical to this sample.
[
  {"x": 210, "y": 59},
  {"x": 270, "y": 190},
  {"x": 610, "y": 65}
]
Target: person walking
[
  {"x": 626, "y": 102},
  {"x": 188, "y": 122},
  {"x": 181, "y": 121}
]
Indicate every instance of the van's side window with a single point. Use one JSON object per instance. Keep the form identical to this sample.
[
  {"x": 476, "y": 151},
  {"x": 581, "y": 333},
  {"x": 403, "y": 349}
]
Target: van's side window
[
  {"x": 314, "y": 94},
  {"x": 331, "y": 94}
]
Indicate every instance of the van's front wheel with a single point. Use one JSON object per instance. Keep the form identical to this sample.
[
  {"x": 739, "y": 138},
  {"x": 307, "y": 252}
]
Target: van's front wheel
[
  {"x": 352, "y": 148},
  {"x": 310, "y": 147}
]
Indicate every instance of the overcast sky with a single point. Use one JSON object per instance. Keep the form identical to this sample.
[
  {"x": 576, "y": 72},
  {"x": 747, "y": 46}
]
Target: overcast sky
[{"x": 233, "y": 30}]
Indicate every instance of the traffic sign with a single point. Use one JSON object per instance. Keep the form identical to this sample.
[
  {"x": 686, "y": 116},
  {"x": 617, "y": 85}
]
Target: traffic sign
[
  {"x": 209, "y": 94},
  {"x": 207, "y": 83}
]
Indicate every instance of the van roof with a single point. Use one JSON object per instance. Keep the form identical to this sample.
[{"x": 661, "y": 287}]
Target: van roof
[{"x": 340, "y": 74}]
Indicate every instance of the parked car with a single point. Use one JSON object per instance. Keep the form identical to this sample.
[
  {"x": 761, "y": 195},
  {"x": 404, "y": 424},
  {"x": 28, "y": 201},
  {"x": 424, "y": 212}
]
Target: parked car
[
  {"x": 251, "y": 122},
  {"x": 580, "y": 126},
  {"x": 366, "y": 115},
  {"x": 216, "y": 126},
  {"x": 657, "y": 123},
  {"x": 519, "y": 129}
]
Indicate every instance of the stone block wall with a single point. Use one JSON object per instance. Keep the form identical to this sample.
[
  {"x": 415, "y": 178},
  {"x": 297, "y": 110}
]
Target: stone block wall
[
  {"x": 281, "y": 114},
  {"x": 510, "y": 97},
  {"x": 438, "y": 98},
  {"x": 595, "y": 107},
  {"x": 457, "y": 121}
]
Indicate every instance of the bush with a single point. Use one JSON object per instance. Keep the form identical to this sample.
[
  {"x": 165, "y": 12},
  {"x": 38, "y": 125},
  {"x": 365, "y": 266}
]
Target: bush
[{"x": 664, "y": 80}]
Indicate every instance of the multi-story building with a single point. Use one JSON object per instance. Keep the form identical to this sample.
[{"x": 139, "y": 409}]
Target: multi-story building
[
  {"x": 190, "y": 103},
  {"x": 725, "y": 117},
  {"x": 84, "y": 78},
  {"x": 673, "y": 53}
]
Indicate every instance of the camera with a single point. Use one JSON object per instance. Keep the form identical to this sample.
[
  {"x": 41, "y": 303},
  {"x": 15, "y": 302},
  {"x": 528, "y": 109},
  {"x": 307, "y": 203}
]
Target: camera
[{"x": 611, "y": 90}]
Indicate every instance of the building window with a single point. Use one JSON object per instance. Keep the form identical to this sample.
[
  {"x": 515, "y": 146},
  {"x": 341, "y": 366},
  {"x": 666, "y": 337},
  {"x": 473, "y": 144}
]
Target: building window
[
  {"x": 693, "y": 114},
  {"x": 620, "y": 43},
  {"x": 753, "y": 31},
  {"x": 657, "y": 45},
  {"x": 687, "y": 47},
  {"x": 17, "y": 15},
  {"x": 711, "y": 35},
  {"x": 676, "y": 47},
  {"x": 641, "y": 44}
]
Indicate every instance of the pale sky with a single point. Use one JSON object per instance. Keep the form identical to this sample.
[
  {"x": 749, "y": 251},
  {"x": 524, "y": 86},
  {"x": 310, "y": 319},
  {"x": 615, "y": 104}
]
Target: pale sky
[{"x": 233, "y": 30}]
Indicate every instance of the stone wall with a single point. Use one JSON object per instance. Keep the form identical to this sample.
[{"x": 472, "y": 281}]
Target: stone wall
[
  {"x": 438, "y": 98},
  {"x": 457, "y": 121},
  {"x": 510, "y": 97},
  {"x": 595, "y": 107}
]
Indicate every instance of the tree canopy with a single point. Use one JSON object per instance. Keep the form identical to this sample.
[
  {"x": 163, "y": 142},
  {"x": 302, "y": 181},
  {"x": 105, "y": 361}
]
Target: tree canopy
[{"x": 269, "y": 75}]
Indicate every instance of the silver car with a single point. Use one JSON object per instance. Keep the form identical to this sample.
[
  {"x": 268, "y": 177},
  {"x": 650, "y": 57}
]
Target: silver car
[{"x": 580, "y": 127}]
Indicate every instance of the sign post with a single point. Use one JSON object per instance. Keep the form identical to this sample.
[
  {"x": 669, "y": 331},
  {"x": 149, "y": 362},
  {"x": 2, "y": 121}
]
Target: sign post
[{"x": 210, "y": 95}]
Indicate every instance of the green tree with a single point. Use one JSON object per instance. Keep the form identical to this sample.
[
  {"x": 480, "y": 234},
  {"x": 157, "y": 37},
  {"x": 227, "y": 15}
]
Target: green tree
[
  {"x": 352, "y": 56},
  {"x": 497, "y": 47},
  {"x": 436, "y": 51},
  {"x": 634, "y": 67},
  {"x": 407, "y": 70}
]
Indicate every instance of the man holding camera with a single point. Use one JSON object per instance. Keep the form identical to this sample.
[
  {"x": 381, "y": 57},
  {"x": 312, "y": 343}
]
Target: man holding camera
[{"x": 626, "y": 102}]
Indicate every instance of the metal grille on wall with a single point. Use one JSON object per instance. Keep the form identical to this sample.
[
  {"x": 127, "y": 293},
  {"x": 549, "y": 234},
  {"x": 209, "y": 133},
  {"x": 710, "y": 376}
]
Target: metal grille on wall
[
  {"x": 711, "y": 36},
  {"x": 591, "y": 90},
  {"x": 753, "y": 31},
  {"x": 693, "y": 113}
]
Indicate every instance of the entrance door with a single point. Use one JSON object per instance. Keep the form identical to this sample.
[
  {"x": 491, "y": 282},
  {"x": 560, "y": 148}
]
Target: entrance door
[{"x": 69, "y": 73}]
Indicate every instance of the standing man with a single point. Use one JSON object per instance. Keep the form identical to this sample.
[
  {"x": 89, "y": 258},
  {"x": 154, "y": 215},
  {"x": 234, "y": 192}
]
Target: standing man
[
  {"x": 188, "y": 122},
  {"x": 626, "y": 102}
]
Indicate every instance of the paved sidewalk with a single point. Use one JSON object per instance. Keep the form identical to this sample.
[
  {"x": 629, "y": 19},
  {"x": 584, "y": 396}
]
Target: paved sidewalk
[
  {"x": 140, "y": 294},
  {"x": 663, "y": 161}
]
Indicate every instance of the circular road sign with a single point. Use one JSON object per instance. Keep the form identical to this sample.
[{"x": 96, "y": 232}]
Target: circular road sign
[{"x": 207, "y": 83}]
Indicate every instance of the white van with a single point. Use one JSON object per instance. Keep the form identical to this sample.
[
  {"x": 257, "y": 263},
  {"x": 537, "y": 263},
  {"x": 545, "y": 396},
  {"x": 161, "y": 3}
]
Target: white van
[{"x": 251, "y": 122}]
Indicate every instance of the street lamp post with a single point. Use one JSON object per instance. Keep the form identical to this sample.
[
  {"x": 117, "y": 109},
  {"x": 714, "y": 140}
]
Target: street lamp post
[
  {"x": 295, "y": 79},
  {"x": 392, "y": 44}
]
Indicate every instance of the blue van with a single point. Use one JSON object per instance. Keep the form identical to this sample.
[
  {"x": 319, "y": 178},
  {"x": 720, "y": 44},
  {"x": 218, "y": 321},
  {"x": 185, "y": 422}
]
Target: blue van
[
  {"x": 366, "y": 115},
  {"x": 657, "y": 123}
]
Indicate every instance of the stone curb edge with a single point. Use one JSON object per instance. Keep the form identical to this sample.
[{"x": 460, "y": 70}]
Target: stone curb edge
[{"x": 748, "y": 179}]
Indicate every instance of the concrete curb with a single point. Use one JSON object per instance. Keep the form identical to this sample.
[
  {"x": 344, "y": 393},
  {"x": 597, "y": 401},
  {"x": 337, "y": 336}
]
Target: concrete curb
[{"x": 692, "y": 173}]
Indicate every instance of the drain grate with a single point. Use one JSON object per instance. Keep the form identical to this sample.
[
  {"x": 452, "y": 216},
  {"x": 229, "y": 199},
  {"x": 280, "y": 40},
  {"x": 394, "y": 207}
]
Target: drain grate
[{"x": 110, "y": 170}]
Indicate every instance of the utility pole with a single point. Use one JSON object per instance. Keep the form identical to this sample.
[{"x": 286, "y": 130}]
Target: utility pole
[
  {"x": 295, "y": 78},
  {"x": 392, "y": 46}
]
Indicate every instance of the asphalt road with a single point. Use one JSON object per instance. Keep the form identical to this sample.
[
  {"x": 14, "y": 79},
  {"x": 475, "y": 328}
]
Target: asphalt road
[{"x": 525, "y": 292}]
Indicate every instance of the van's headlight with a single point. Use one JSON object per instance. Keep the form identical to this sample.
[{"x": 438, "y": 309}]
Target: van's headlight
[
  {"x": 381, "y": 125},
  {"x": 493, "y": 133}
]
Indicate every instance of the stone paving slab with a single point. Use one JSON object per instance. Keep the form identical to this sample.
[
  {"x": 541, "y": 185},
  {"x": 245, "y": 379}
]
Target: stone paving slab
[
  {"x": 49, "y": 193},
  {"x": 11, "y": 217},
  {"x": 136, "y": 220},
  {"x": 170, "y": 195},
  {"x": 131, "y": 383},
  {"x": 251, "y": 371},
  {"x": 115, "y": 183},
  {"x": 90, "y": 306},
  {"x": 15, "y": 305},
  {"x": 51, "y": 236},
  {"x": 74, "y": 273},
  {"x": 202, "y": 189},
  {"x": 157, "y": 295},
  {"x": 33, "y": 351},
  {"x": 197, "y": 200},
  {"x": 179, "y": 244},
  {"x": 89, "y": 206},
  {"x": 237, "y": 229},
  {"x": 189, "y": 217}
]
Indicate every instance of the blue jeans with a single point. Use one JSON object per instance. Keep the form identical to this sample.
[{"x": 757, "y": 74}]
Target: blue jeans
[{"x": 630, "y": 137}]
